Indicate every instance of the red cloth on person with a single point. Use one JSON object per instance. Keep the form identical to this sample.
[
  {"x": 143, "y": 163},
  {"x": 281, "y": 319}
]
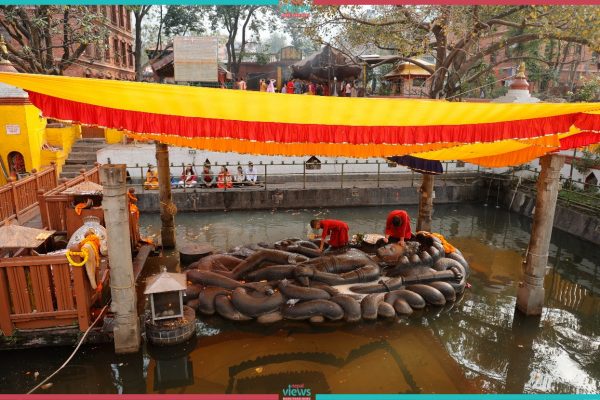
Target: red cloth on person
[
  {"x": 401, "y": 232},
  {"x": 338, "y": 231}
]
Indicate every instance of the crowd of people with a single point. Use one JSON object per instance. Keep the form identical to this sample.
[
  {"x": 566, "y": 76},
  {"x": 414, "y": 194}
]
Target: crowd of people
[
  {"x": 243, "y": 176},
  {"x": 297, "y": 86}
]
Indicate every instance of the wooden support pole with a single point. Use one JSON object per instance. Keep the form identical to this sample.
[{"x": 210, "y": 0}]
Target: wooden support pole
[
  {"x": 425, "y": 204},
  {"x": 167, "y": 208},
  {"x": 530, "y": 296},
  {"x": 126, "y": 329}
]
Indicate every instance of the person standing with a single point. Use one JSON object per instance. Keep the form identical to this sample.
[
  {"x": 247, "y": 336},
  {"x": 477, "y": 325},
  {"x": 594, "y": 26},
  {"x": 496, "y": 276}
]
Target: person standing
[
  {"x": 348, "y": 90},
  {"x": 271, "y": 86},
  {"x": 335, "y": 229},
  {"x": 290, "y": 87},
  {"x": 242, "y": 84},
  {"x": 297, "y": 87},
  {"x": 397, "y": 227},
  {"x": 263, "y": 85}
]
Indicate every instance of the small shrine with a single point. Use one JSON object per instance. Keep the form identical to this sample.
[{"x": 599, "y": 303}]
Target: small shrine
[{"x": 170, "y": 322}]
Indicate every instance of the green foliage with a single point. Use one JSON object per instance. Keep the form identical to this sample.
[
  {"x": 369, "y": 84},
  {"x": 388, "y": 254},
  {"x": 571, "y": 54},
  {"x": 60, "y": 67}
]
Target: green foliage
[
  {"x": 240, "y": 22},
  {"x": 590, "y": 91},
  {"x": 588, "y": 161},
  {"x": 276, "y": 42},
  {"x": 262, "y": 58},
  {"x": 183, "y": 20},
  {"x": 48, "y": 39},
  {"x": 463, "y": 39}
]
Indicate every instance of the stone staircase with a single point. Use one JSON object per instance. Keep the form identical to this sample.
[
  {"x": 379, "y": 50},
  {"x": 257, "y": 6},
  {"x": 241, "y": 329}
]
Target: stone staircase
[{"x": 82, "y": 156}]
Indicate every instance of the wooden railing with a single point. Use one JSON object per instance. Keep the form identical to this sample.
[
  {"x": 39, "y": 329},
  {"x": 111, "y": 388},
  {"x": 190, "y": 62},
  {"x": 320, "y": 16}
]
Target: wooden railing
[
  {"x": 18, "y": 199},
  {"x": 53, "y": 203},
  {"x": 43, "y": 292}
]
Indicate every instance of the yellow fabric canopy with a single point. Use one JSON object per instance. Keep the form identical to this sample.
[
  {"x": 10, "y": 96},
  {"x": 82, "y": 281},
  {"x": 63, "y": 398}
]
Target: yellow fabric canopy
[{"x": 286, "y": 124}]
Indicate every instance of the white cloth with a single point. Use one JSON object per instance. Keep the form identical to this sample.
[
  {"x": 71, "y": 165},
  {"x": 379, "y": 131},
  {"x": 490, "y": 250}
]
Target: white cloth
[
  {"x": 251, "y": 174},
  {"x": 239, "y": 177}
]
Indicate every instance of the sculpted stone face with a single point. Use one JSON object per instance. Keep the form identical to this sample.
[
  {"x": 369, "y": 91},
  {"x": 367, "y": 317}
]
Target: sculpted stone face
[{"x": 391, "y": 253}]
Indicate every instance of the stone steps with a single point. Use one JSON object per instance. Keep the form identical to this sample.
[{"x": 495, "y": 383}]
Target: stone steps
[{"x": 82, "y": 156}]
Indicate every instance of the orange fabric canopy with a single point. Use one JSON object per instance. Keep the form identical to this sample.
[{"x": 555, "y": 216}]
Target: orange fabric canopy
[{"x": 284, "y": 124}]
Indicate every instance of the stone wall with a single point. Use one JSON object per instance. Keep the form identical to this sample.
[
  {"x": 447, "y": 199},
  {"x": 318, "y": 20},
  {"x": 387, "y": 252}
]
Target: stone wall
[
  {"x": 260, "y": 199},
  {"x": 569, "y": 219}
]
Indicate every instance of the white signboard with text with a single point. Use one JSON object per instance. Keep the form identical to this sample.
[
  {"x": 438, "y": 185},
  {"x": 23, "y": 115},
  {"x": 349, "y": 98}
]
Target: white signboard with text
[
  {"x": 13, "y": 129},
  {"x": 195, "y": 58}
]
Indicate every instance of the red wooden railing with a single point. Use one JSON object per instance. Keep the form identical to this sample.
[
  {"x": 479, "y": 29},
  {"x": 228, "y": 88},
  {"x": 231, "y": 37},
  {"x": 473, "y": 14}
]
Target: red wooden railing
[
  {"x": 54, "y": 204},
  {"x": 18, "y": 199},
  {"x": 43, "y": 292}
]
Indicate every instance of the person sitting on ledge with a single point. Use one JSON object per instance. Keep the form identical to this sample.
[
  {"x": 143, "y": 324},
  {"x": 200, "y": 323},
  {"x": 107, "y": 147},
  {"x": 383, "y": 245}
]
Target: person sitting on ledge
[
  {"x": 251, "y": 176},
  {"x": 224, "y": 180},
  {"x": 188, "y": 177},
  {"x": 151, "y": 182},
  {"x": 239, "y": 177},
  {"x": 207, "y": 178}
]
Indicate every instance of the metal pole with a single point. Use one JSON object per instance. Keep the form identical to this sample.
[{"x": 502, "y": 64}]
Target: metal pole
[
  {"x": 265, "y": 176},
  {"x": 378, "y": 172},
  {"x": 342, "y": 180},
  {"x": 304, "y": 175}
]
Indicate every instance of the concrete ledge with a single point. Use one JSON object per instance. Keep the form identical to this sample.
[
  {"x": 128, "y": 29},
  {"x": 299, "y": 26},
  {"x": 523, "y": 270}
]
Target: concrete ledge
[
  {"x": 260, "y": 199},
  {"x": 567, "y": 219}
]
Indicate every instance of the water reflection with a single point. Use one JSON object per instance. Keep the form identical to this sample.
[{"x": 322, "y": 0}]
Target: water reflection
[
  {"x": 477, "y": 344},
  {"x": 335, "y": 359}
]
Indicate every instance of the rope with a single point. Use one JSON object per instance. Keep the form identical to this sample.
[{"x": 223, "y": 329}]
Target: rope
[
  {"x": 537, "y": 255},
  {"x": 74, "y": 351},
  {"x": 83, "y": 253}
]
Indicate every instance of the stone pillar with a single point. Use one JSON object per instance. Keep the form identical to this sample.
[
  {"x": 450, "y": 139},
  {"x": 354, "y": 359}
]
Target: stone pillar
[
  {"x": 425, "y": 204},
  {"x": 167, "y": 208},
  {"x": 122, "y": 284},
  {"x": 530, "y": 296}
]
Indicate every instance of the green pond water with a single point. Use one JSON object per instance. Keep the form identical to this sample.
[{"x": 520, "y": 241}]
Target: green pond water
[{"x": 476, "y": 345}]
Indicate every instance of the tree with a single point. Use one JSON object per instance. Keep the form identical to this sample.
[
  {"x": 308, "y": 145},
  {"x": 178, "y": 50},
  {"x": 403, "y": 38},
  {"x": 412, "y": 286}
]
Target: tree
[
  {"x": 275, "y": 42},
  {"x": 49, "y": 39},
  {"x": 236, "y": 20},
  {"x": 300, "y": 40},
  {"x": 181, "y": 20},
  {"x": 139, "y": 13},
  {"x": 463, "y": 40}
]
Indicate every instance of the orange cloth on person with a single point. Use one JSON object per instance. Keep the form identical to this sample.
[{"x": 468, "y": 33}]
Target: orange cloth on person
[
  {"x": 337, "y": 230},
  {"x": 400, "y": 232},
  {"x": 224, "y": 180},
  {"x": 151, "y": 180}
]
